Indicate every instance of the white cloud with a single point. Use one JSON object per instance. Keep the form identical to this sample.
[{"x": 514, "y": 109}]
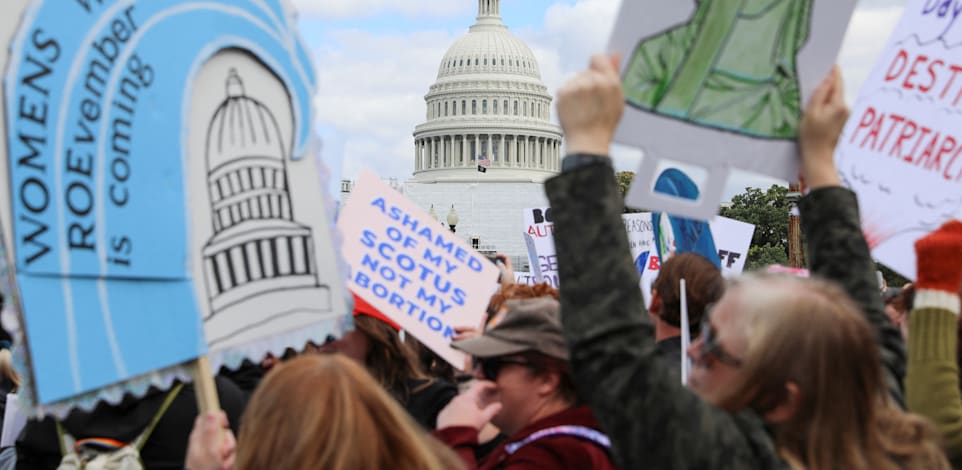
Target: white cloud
[
  {"x": 339, "y": 9},
  {"x": 372, "y": 89}
]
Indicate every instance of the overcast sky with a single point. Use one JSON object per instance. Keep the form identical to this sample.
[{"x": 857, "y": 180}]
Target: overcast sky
[{"x": 377, "y": 58}]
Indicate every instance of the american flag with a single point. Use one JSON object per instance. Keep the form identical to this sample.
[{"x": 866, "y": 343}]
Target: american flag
[{"x": 484, "y": 161}]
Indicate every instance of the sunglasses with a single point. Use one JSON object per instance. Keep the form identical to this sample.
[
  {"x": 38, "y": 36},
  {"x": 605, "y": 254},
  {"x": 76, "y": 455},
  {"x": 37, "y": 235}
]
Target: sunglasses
[
  {"x": 491, "y": 366},
  {"x": 710, "y": 345}
]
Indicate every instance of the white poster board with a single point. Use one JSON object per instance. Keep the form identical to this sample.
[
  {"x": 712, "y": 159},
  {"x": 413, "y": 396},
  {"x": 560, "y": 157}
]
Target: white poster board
[
  {"x": 901, "y": 147},
  {"x": 720, "y": 85},
  {"x": 412, "y": 269},
  {"x": 539, "y": 229},
  {"x": 14, "y": 420},
  {"x": 732, "y": 239}
]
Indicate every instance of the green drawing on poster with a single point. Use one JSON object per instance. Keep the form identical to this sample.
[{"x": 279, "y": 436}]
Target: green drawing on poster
[{"x": 732, "y": 66}]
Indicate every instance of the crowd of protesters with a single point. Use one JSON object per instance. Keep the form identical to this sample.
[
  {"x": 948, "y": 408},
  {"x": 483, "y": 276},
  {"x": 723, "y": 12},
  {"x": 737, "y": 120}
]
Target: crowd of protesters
[{"x": 818, "y": 372}]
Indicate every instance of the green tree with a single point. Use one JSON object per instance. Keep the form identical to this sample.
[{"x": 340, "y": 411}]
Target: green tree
[
  {"x": 768, "y": 212},
  {"x": 624, "y": 182},
  {"x": 892, "y": 278}
]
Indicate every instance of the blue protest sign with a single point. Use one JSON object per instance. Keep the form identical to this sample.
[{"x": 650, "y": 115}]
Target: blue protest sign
[{"x": 134, "y": 247}]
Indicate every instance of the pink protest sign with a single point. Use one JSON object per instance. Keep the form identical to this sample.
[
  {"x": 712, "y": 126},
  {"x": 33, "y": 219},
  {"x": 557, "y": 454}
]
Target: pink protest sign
[{"x": 412, "y": 269}]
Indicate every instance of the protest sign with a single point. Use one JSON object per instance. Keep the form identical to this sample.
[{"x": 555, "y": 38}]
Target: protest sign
[
  {"x": 539, "y": 228},
  {"x": 533, "y": 257},
  {"x": 160, "y": 208},
  {"x": 720, "y": 85},
  {"x": 14, "y": 420},
  {"x": 413, "y": 270},
  {"x": 900, "y": 151},
  {"x": 731, "y": 237}
]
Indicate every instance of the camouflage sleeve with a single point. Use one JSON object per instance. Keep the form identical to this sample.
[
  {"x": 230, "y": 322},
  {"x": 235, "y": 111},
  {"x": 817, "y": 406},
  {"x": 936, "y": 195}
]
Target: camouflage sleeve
[
  {"x": 652, "y": 420},
  {"x": 838, "y": 251}
]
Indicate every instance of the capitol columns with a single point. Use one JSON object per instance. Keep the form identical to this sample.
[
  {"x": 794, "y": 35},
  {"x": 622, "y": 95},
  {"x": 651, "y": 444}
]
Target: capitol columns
[
  {"x": 526, "y": 152},
  {"x": 431, "y": 163},
  {"x": 448, "y": 151},
  {"x": 520, "y": 146},
  {"x": 502, "y": 153},
  {"x": 464, "y": 150},
  {"x": 417, "y": 158},
  {"x": 555, "y": 158},
  {"x": 543, "y": 148}
]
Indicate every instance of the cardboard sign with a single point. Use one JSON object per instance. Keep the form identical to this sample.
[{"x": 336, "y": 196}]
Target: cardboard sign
[
  {"x": 160, "y": 207},
  {"x": 901, "y": 147},
  {"x": 731, "y": 237},
  {"x": 720, "y": 84},
  {"x": 539, "y": 228},
  {"x": 14, "y": 420},
  {"x": 412, "y": 269}
]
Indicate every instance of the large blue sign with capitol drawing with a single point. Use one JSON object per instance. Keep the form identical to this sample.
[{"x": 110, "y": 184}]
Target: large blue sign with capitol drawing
[{"x": 159, "y": 200}]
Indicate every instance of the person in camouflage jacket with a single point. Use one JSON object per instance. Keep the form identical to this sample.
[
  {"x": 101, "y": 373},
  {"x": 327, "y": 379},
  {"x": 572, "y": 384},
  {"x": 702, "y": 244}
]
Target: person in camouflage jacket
[{"x": 652, "y": 420}]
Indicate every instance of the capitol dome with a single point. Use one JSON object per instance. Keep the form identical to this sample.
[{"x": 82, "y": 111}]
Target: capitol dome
[{"x": 488, "y": 107}]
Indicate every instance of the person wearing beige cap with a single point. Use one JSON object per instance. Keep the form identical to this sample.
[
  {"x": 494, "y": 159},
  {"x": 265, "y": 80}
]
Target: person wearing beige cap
[{"x": 524, "y": 388}]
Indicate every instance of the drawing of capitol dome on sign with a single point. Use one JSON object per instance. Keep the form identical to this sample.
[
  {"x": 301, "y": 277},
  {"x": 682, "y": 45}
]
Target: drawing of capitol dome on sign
[{"x": 257, "y": 248}]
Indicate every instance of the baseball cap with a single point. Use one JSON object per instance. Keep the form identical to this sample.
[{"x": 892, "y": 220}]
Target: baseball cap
[{"x": 529, "y": 325}]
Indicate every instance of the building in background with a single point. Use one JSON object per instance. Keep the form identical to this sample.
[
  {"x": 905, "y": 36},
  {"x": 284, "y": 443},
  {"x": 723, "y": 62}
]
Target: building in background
[{"x": 487, "y": 144}]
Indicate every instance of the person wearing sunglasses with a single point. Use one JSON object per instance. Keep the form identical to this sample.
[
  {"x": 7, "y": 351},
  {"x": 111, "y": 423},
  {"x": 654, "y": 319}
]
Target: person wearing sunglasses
[
  {"x": 788, "y": 373},
  {"x": 525, "y": 389}
]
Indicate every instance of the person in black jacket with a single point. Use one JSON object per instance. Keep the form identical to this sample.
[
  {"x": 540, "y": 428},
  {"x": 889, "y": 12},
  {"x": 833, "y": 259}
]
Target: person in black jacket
[
  {"x": 38, "y": 447},
  {"x": 789, "y": 372}
]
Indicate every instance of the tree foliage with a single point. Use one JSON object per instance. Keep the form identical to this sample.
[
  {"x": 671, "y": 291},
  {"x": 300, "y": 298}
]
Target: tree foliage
[
  {"x": 624, "y": 179},
  {"x": 768, "y": 212}
]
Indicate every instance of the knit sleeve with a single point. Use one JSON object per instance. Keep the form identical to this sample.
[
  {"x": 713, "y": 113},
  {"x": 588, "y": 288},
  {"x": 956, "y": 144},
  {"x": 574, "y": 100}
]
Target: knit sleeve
[{"x": 932, "y": 382}]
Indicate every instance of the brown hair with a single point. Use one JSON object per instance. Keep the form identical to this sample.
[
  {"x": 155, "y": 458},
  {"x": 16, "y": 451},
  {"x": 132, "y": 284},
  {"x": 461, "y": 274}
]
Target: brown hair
[
  {"x": 433, "y": 365},
  {"x": 388, "y": 359},
  {"x": 325, "y": 411},
  {"x": 704, "y": 285},
  {"x": 810, "y": 333}
]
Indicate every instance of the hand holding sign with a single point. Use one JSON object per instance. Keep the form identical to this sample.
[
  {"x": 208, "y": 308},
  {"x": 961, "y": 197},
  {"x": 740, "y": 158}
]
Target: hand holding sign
[
  {"x": 590, "y": 107},
  {"x": 940, "y": 258},
  {"x": 821, "y": 127}
]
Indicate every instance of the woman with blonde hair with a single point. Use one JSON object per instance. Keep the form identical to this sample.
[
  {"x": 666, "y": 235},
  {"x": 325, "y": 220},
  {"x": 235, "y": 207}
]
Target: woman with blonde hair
[
  {"x": 319, "y": 411},
  {"x": 788, "y": 373}
]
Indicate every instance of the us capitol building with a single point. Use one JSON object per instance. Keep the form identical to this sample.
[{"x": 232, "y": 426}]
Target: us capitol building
[{"x": 488, "y": 103}]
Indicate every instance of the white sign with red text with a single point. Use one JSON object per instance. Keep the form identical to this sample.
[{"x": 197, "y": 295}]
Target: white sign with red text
[{"x": 901, "y": 148}]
